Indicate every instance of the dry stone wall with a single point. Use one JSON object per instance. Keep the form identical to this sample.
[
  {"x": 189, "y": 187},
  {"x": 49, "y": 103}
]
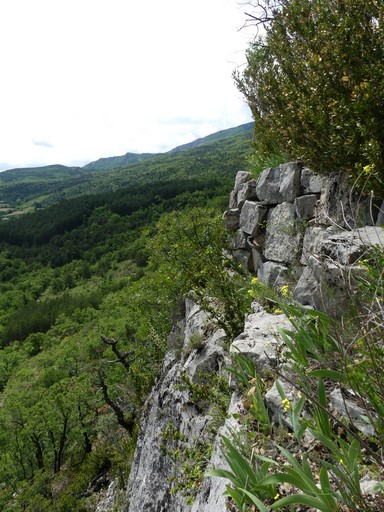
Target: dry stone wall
[{"x": 291, "y": 226}]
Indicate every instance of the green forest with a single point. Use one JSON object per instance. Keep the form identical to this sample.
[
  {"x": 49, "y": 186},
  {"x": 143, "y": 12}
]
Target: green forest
[{"x": 86, "y": 307}]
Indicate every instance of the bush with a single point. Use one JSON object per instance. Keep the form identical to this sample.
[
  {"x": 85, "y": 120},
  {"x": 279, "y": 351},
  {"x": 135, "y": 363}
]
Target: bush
[{"x": 315, "y": 83}]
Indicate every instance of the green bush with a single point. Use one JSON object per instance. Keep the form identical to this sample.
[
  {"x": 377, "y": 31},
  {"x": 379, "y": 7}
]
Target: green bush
[{"x": 315, "y": 84}]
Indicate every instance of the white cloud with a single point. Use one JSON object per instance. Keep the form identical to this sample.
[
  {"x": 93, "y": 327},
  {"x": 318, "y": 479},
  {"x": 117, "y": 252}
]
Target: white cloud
[{"x": 83, "y": 79}]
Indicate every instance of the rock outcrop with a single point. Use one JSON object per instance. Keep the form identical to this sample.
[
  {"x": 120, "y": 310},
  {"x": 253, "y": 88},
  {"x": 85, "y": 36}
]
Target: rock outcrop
[{"x": 288, "y": 227}]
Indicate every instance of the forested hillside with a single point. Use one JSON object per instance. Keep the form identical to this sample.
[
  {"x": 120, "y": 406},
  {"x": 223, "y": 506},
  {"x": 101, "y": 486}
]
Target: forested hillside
[
  {"x": 86, "y": 308},
  {"x": 24, "y": 190}
]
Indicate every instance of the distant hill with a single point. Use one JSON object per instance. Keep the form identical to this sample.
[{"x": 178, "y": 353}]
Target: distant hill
[
  {"x": 118, "y": 162},
  {"x": 28, "y": 188},
  {"x": 215, "y": 137},
  {"x": 115, "y": 162},
  {"x": 29, "y": 174}
]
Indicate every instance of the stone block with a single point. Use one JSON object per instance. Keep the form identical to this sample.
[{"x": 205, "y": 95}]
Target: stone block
[
  {"x": 305, "y": 206},
  {"x": 238, "y": 240},
  {"x": 380, "y": 216},
  {"x": 282, "y": 239},
  {"x": 335, "y": 207},
  {"x": 244, "y": 259},
  {"x": 279, "y": 184},
  {"x": 251, "y": 217},
  {"x": 273, "y": 274},
  {"x": 242, "y": 177},
  {"x": 260, "y": 338},
  {"x": 313, "y": 238},
  {"x": 246, "y": 191},
  {"x": 231, "y": 219},
  {"x": 311, "y": 183}
]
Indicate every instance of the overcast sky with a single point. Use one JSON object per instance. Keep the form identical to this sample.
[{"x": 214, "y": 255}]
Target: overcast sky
[{"x": 84, "y": 79}]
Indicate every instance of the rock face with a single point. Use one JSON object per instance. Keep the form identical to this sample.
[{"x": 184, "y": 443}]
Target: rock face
[
  {"x": 172, "y": 414},
  {"x": 289, "y": 227}
]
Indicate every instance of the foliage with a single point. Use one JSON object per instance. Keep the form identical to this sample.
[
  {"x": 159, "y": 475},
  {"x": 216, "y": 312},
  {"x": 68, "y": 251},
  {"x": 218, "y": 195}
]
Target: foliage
[
  {"x": 191, "y": 246},
  {"x": 314, "y": 82}
]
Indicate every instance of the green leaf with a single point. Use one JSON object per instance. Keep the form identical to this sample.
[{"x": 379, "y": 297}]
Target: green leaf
[
  {"x": 327, "y": 374},
  {"x": 255, "y": 501},
  {"x": 303, "y": 499}
]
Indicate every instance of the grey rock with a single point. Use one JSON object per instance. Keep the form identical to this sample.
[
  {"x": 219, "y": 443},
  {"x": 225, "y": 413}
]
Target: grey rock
[
  {"x": 148, "y": 486},
  {"x": 260, "y": 338},
  {"x": 275, "y": 404},
  {"x": 306, "y": 288},
  {"x": 369, "y": 486},
  {"x": 351, "y": 411},
  {"x": 242, "y": 177},
  {"x": 311, "y": 183},
  {"x": 347, "y": 246},
  {"x": 257, "y": 259},
  {"x": 313, "y": 239},
  {"x": 251, "y": 217},
  {"x": 273, "y": 274},
  {"x": 246, "y": 191},
  {"x": 335, "y": 206},
  {"x": 282, "y": 239},
  {"x": 380, "y": 216},
  {"x": 279, "y": 184},
  {"x": 323, "y": 285},
  {"x": 211, "y": 497},
  {"x": 305, "y": 206},
  {"x": 245, "y": 259},
  {"x": 231, "y": 219},
  {"x": 232, "y": 200},
  {"x": 238, "y": 240}
]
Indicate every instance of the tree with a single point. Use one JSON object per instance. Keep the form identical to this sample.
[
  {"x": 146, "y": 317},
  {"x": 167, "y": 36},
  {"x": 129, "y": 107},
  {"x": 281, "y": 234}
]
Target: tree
[{"x": 315, "y": 83}]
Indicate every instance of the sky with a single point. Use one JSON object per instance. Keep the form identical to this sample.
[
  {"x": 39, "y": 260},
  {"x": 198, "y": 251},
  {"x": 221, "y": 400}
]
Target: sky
[{"x": 85, "y": 79}]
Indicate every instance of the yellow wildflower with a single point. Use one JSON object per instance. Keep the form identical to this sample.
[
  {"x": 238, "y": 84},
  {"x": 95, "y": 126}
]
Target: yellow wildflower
[
  {"x": 254, "y": 280},
  {"x": 286, "y": 404},
  {"x": 284, "y": 290}
]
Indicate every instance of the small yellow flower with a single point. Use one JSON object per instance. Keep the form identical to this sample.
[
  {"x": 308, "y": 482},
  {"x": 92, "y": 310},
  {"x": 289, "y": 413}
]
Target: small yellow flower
[
  {"x": 284, "y": 290},
  {"x": 286, "y": 404},
  {"x": 254, "y": 280},
  {"x": 250, "y": 292},
  {"x": 277, "y": 311},
  {"x": 277, "y": 496},
  {"x": 368, "y": 169},
  {"x": 341, "y": 462}
]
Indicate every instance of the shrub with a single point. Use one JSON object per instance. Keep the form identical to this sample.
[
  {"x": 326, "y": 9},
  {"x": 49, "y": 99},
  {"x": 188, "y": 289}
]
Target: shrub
[{"x": 315, "y": 83}]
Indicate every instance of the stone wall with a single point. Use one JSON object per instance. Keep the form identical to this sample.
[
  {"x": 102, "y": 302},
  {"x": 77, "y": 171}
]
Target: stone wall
[{"x": 291, "y": 226}]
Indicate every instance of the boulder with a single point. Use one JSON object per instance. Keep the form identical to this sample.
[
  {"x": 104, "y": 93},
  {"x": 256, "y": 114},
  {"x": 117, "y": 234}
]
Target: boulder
[
  {"x": 335, "y": 207},
  {"x": 246, "y": 191},
  {"x": 347, "y": 407},
  {"x": 313, "y": 239}
]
